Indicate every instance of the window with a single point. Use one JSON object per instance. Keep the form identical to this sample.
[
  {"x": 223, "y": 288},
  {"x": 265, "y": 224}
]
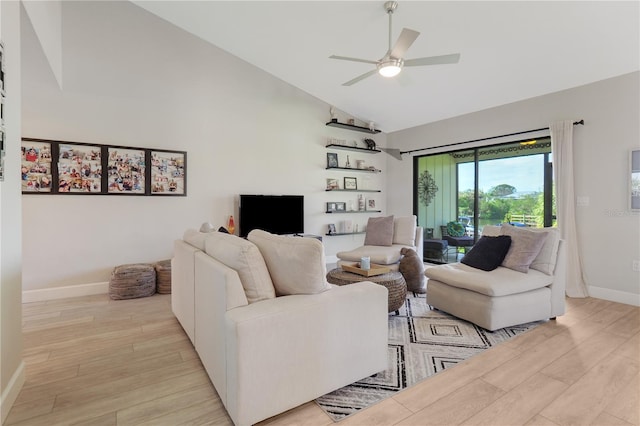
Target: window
[{"x": 488, "y": 185}]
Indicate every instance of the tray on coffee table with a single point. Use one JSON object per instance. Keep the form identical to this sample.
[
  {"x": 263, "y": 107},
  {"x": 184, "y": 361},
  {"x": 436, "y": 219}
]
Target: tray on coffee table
[{"x": 374, "y": 270}]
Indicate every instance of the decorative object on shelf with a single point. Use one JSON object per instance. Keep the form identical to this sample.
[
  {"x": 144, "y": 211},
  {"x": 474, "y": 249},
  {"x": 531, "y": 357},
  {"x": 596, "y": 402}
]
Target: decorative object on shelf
[
  {"x": 371, "y": 144},
  {"x": 331, "y": 207},
  {"x": 350, "y": 183},
  {"x": 347, "y": 165},
  {"x": 351, "y": 122},
  {"x": 371, "y": 204},
  {"x": 331, "y": 229},
  {"x": 332, "y": 159},
  {"x": 372, "y": 126},
  {"x": 347, "y": 226},
  {"x": 361, "y": 205},
  {"x": 351, "y": 206},
  {"x": 427, "y": 188},
  {"x": 332, "y": 184},
  {"x": 231, "y": 226},
  {"x": 332, "y": 112},
  {"x": 341, "y": 207},
  {"x": 360, "y": 164}
]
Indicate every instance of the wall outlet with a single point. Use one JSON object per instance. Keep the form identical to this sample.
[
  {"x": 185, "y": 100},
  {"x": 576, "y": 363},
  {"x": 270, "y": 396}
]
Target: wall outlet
[{"x": 636, "y": 265}]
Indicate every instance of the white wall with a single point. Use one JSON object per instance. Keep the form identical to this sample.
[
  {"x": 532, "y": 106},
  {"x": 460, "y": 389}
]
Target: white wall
[
  {"x": 11, "y": 365},
  {"x": 131, "y": 79},
  {"x": 609, "y": 234}
]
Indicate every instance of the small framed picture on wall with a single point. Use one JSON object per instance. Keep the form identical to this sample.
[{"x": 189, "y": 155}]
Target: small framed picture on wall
[{"x": 350, "y": 183}]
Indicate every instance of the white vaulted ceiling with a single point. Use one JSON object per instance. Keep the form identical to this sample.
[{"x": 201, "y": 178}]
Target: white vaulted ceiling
[{"x": 510, "y": 51}]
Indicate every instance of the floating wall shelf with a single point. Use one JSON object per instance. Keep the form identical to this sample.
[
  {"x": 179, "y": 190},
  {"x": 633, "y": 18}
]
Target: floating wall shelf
[
  {"x": 335, "y": 234},
  {"x": 353, "y": 148},
  {"x": 352, "y": 127},
  {"x": 356, "y": 211},
  {"x": 353, "y": 190},
  {"x": 354, "y": 170}
]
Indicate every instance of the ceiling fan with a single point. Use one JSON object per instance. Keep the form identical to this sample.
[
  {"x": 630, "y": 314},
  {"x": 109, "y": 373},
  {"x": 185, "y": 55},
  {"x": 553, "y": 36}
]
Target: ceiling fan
[{"x": 392, "y": 62}]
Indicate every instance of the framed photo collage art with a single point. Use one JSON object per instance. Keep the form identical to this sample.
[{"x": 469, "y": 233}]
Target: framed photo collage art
[{"x": 59, "y": 167}]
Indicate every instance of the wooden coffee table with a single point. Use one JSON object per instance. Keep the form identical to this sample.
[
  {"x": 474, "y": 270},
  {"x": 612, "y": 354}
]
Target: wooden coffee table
[{"x": 393, "y": 281}]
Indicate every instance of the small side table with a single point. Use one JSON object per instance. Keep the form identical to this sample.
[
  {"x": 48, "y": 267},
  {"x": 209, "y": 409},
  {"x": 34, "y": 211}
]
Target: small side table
[{"x": 393, "y": 281}]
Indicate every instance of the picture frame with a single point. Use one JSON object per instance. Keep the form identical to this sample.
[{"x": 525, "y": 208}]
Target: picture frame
[
  {"x": 331, "y": 207},
  {"x": 63, "y": 167},
  {"x": 2, "y": 70},
  {"x": 168, "y": 173},
  {"x": 126, "y": 170},
  {"x": 350, "y": 183},
  {"x": 331, "y": 229},
  {"x": 332, "y": 184},
  {"x": 79, "y": 168},
  {"x": 634, "y": 180},
  {"x": 36, "y": 167},
  {"x": 371, "y": 204},
  {"x": 341, "y": 207},
  {"x": 332, "y": 160}
]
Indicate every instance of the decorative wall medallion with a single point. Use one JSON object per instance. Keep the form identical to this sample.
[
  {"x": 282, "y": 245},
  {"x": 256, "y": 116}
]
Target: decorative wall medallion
[{"x": 426, "y": 188}]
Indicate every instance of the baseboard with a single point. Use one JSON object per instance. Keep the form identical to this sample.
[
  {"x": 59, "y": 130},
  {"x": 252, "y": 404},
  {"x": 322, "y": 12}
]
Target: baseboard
[
  {"x": 10, "y": 394},
  {"x": 614, "y": 295},
  {"x": 40, "y": 295}
]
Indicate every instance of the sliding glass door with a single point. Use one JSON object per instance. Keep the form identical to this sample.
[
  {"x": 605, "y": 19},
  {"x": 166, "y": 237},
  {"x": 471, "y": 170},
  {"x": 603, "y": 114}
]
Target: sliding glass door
[{"x": 508, "y": 183}]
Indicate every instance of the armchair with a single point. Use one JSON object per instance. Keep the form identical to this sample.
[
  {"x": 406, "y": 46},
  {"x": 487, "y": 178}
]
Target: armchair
[{"x": 384, "y": 239}]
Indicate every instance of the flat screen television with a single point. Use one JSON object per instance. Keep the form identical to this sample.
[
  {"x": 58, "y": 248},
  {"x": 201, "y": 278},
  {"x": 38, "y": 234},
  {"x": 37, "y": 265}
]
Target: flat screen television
[{"x": 278, "y": 214}]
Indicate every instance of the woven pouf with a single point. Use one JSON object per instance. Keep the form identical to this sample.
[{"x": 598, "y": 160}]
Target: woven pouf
[
  {"x": 132, "y": 281},
  {"x": 393, "y": 281},
  {"x": 163, "y": 276}
]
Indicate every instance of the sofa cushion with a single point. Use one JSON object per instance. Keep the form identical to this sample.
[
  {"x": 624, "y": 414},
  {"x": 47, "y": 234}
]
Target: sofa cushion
[
  {"x": 297, "y": 265},
  {"x": 525, "y": 246},
  {"x": 404, "y": 230},
  {"x": 412, "y": 269},
  {"x": 379, "y": 231},
  {"x": 499, "y": 282},
  {"x": 492, "y": 230},
  {"x": 244, "y": 257},
  {"x": 381, "y": 255},
  {"x": 488, "y": 253},
  {"x": 545, "y": 261},
  {"x": 195, "y": 238}
]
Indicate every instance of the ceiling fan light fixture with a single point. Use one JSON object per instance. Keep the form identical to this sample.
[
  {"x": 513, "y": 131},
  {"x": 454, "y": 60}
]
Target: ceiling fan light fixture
[{"x": 390, "y": 68}]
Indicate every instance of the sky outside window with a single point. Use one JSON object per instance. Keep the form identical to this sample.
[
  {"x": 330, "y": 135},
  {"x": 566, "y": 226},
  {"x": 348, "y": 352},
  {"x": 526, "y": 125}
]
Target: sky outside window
[{"x": 525, "y": 173}]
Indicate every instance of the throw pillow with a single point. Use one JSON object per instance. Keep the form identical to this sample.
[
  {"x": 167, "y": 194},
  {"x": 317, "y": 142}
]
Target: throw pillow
[
  {"x": 404, "y": 230},
  {"x": 488, "y": 253},
  {"x": 379, "y": 231},
  {"x": 412, "y": 269},
  {"x": 455, "y": 229},
  {"x": 244, "y": 257},
  {"x": 525, "y": 246},
  {"x": 195, "y": 238},
  {"x": 223, "y": 230},
  {"x": 545, "y": 261},
  {"x": 297, "y": 265}
]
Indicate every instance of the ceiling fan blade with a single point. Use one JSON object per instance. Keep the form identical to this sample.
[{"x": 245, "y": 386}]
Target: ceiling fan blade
[
  {"x": 346, "y": 58},
  {"x": 404, "y": 42},
  {"x": 360, "y": 77},
  {"x": 433, "y": 60}
]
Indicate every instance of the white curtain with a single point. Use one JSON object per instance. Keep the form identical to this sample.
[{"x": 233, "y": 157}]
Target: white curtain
[{"x": 562, "y": 149}]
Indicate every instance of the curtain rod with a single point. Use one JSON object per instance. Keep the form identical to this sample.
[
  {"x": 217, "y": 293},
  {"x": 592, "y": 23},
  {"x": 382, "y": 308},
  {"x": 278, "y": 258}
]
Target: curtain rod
[{"x": 575, "y": 123}]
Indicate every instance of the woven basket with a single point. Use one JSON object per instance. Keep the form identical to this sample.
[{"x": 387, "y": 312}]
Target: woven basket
[
  {"x": 132, "y": 281},
  {"x": 163, "y": 276},
  {"x": 393, "y": 281}
]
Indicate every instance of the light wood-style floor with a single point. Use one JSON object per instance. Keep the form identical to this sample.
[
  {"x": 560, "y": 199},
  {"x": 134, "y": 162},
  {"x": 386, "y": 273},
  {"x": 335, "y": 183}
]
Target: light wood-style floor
[{"x": 94, "y": 361}]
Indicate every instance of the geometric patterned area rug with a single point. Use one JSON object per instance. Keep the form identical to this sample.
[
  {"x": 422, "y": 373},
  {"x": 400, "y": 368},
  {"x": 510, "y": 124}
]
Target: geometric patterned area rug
[{"x": 422, "y": 342}]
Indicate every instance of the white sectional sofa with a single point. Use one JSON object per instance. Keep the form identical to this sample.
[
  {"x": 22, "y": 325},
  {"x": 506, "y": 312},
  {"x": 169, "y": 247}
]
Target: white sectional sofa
[
  {"x": 267, "y": 354},
  {"x": 503, "y": 297}
]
